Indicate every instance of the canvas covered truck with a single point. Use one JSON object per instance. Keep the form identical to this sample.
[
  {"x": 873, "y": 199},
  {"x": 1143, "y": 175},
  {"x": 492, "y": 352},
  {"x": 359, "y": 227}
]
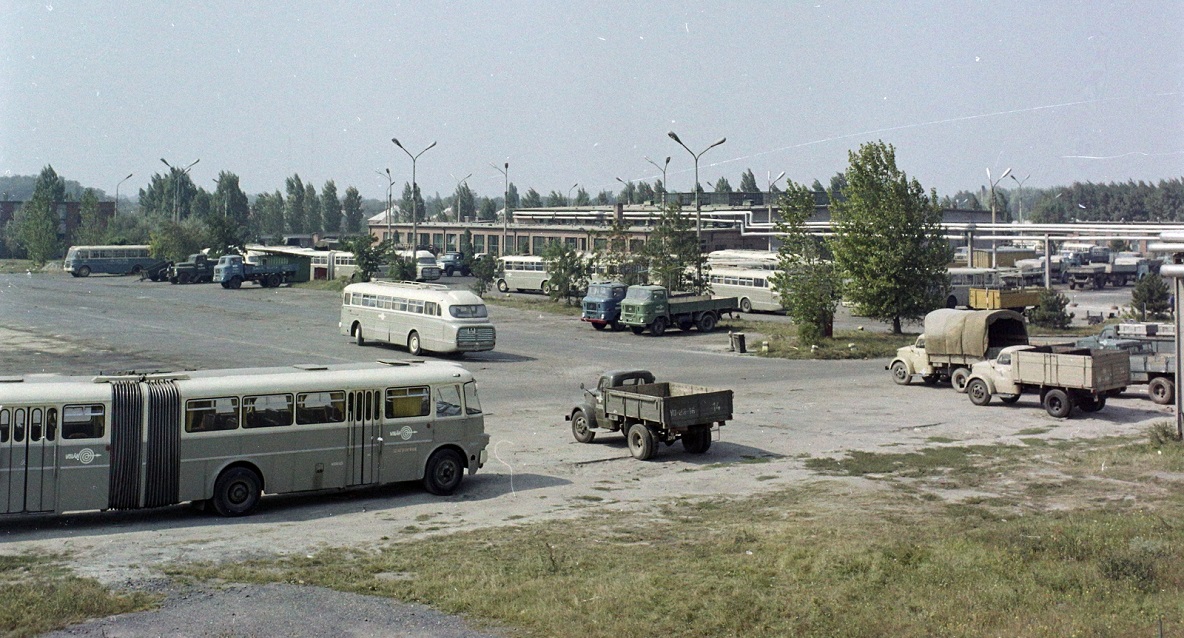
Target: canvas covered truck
[
  {"x": 649, "y": 413},
  {"x": 953, "y": 341},
  {"x": 656, "y": 309},
  {"x": 1152, "y": 350},
  {"x": 232, "y": 270},
  {"x": 1064, "y": 379}
]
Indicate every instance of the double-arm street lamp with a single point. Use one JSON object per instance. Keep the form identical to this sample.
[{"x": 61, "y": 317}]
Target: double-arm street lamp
[
  {"x": 665, "y": 187},
  {"x": 390, "y": 204},
  {"x": 129, "y": 176},
  {"x": 505, "y": 204},
  {"x": 177, "y": 173},
  {"x": 698, "y": 210},
  {"x": 994, "y": 256},
  {"x": 1019, "y": 194},
  {"x": 414, "y": 192},
  {"x": 770, "y": 202}
]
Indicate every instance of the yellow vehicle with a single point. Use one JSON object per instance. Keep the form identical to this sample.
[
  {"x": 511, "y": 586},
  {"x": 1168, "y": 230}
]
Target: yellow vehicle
[{"x": 1004, "y": 298}]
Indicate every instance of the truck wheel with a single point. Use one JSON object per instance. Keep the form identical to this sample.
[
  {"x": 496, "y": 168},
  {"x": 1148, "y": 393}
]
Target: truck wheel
[
  {"x": 448, "y": 271},
  {"x": 579, "y": 427},
  {"x": 658, "y": 327},
  {"x": 236, "y": 282},
  {"x": 685, "y": 325},
  {"x": 444, "y": 472},
  {"x": 707, "y": 322},
  {"x": 745, "y": 305},
  {"x": 1072, "y": 285},
  {"x": 959, "y": 378},
  {"x": 225, "y": 285},
  {"x": 502, "y": 285},
  {"x": 978, "y": 392},
  {"x": 173, "y": 280},
  {"x": 599, "y": 326},
  {"x": 616, "y": 326},
  {"x": 637, "y": 329},
  {"x": 641, "y": 442},
  {"x": 413, "y": 344},
  {"x": 951, "y": 302},
  {"x": 273, "y": 281},
  {"x": 237, "y": 492},
  {"x": 1057, "y": 404},
  {"x": 697, "y": 440},
  {"x": 900, "y": 373},
  {"x": 1161, "y": 390},
  {"x": 1091, "y": 404}
]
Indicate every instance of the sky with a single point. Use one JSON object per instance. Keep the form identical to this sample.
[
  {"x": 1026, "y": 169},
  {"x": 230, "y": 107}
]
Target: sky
[{"x": 581, "y": 92}]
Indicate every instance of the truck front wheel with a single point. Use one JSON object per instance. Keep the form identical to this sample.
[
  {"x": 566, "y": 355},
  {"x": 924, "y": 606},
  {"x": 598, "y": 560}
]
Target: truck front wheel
[
  {"x": 1057, "y": 403},
  {"x": 579, "y": 427},
  {"x": 658, "y": 327},
  {"x": 959, "y": 378},
  {"x": 637, "y": 329},
  {"x": 978, "y": 391},
  {"x": 236, "y": 282},
  {"x": 900, "y": 373},
  {"x": 641, "y": 442},
  {"x": 1162, "y": 390}
]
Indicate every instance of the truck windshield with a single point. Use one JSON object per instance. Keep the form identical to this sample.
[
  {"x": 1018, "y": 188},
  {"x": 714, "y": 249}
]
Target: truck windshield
[
  {"x": 601, "y": 291},
  {"x": 639, "y": 294}
]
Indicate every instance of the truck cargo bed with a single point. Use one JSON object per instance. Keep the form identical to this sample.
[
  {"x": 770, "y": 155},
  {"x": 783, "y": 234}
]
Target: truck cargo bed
[{"x": 674, "y": 405}]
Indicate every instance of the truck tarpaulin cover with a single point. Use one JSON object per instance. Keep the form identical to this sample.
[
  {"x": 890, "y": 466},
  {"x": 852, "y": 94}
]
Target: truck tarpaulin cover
[{"x": 974, "y": 333}]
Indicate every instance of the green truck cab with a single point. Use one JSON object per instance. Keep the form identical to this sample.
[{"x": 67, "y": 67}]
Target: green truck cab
[{"x": 656, "y": 309}]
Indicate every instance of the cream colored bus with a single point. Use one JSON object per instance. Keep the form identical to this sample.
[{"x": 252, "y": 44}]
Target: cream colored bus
[
  {"x": 522, "y": 273},
  {"x": 423, "y": 317},
  {"x": 752, "y": 287},
  {"x": 224, "y": 437}
]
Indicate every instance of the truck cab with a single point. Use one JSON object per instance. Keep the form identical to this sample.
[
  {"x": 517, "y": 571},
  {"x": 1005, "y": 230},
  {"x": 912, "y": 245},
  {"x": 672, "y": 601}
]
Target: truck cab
[
  {"x": 997, "y": 372},
  {"x": 589, "y": 414},
  {"x": 602, "y": 304},
  {"x": 643, "y": 304}
]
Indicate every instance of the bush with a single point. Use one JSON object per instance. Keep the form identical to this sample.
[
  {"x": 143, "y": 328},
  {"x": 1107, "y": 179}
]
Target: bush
[{"x": 1051, "y": 311}]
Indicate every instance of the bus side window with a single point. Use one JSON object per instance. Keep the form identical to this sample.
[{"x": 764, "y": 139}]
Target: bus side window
[
  {"x": 35, "y": 424},
  {"x": 268, "y": 410},
  {"x": 51, "y": 424},
  {"x": 407, "y": 402},
  {"x": 5, "y": 425},
  {"x": 83, "y": 422},
  {"x": 18, "y": 425}
]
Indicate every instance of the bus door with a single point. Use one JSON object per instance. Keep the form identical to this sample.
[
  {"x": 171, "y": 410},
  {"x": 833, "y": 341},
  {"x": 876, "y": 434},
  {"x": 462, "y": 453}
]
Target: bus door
[
  {"x": 28, "y": 459},
  {"x": 363, "y": 409}
]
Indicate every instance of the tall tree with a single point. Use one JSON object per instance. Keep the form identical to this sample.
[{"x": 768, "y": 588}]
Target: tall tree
[
  {"x": 555, "y": 198},
  {"x": 628, "y": 194},
  {"x": 532, "y": 199},
  {"x": 312, "y": 209},
  {"x": 722, "y": 185},
  {"x": 295, "y": 220},
  {"x": 92, "y": 229},
  {"x": 410, "y": 207},
  {"x": 465, "y": 203},
  {"x": 330, "y": 208},
  {"x": 888, "y": 239},
  {"x": 229, "y": 199},
  {"x": 488, "y": 209},
  {"x": 352, "y": 209},
  {"x": 806, "y": 281},
  {"x": 37, "y": 222},
  {"x": 748, "y": 182},
  {"x": 673, "y": 252}
]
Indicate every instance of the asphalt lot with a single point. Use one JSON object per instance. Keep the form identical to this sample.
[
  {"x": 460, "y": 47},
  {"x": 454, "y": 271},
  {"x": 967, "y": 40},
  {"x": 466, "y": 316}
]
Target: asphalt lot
[{"x": 784, "y": 411}]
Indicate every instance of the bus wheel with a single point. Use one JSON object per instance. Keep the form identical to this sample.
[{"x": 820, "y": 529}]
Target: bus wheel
[
  {"x": 136, "y": 270},
  {"x": 237, "y": 492},
  {"x": 745, "y": 305},
  {"x": 413, "y": 344},
  {"x": 444, "y": 472},
  {"x": 546, "y": 287},
  {"x": 358, "y": 338},
  {"x": 84, "y": 271},
  {"x": 951, "y": 302},
  {"x": 502, "y": 285}
]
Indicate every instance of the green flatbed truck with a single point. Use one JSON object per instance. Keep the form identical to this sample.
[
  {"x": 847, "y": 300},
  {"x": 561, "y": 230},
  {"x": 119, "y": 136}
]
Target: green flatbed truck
[{"x": 655, "y": 309}]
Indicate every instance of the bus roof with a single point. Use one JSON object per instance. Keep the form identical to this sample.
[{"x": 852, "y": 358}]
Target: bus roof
[{"x": 417, "y": 290}]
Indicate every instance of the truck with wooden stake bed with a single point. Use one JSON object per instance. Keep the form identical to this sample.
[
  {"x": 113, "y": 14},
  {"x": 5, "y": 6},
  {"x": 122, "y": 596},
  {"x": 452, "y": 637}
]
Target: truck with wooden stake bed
[
  {"x": 1064, "y": 378},
  {"x": 954, "y": 340},
  {"x": 1152, "y": 350},
  {"x": 233, "y": 270},
  {"x": 655, "y": 308},
  {"x": 649, "y": 413}
]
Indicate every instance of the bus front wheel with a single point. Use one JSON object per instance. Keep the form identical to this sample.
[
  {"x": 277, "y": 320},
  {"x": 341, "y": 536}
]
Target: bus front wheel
[
  {"x": 84, "y": 271},
  {"x": 358, "y": 338},
  {"x": 502, "y": 285},
  {"x": 413, "y": 344},
  {"x": 237, "y": 492},
  {"x": 444, "y": 472}
]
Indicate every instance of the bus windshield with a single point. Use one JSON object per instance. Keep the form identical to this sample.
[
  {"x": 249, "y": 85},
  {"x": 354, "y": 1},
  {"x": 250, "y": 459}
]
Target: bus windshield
[{"x": 468, "y": 311}]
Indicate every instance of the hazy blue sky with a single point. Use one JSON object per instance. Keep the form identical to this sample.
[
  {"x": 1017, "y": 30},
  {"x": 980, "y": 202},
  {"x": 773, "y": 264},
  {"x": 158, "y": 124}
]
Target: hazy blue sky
[{"x": 578, "y": 92}]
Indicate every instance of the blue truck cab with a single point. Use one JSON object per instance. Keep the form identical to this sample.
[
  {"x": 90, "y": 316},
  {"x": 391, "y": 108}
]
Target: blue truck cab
[{"x": 602, "y": 304}]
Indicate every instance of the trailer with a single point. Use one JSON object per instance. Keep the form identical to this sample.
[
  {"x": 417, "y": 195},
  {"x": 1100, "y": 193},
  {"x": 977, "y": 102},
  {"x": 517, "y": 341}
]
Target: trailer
[{"x": 648, "y": 412}]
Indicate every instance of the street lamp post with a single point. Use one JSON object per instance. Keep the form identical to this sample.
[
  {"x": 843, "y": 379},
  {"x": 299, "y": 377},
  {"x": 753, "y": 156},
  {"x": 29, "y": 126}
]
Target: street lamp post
[
  {"x": 414, "y": 192},
  {"x": 770, "y": 202},
  {"x": 129, "y": 176},
  {"x": 177, "y": 173},
  {"x": 994, "y": 259},
  {"x": 505, "y": 204},
  {"x": 458, "y": 183},
  {"x": 1019, "y": 194},
  {"x": 698, "y": 210},
  {"x": 390, "y": 204},
  {"x": 627, "y": 189},
  {"x": 665, "y": 187},
  {"x": 573, "y": 187}
]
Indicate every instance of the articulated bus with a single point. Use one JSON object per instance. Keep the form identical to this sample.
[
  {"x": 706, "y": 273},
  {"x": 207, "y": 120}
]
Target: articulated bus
[
  {"x": 81, "y": 261},
  {"x": 224, "y": 437},
  {"x": 522, "y": 273},
  {"x": 420, "y": 316},
  {"x": 751, "y": 286}
]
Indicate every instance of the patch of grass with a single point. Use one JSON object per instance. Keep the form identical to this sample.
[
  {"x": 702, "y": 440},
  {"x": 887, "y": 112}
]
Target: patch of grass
[
  {"x": 926, "y": 462},
  {"x": 846, "y": 344},
  {"x": 538, "y": 303},
  {"x": 1033, "y": 431},
  {"x": 41, "y": 595},
  {"x": 940, "y": 439},
  {"x": 9, "y": 266},
  {"x": 336, "y": 285}
]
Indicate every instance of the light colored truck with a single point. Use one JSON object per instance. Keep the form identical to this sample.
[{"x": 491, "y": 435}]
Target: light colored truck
[
  {"x": 953, "y": 341},
  {"x": 649, "y": 413},
  {"x": 656, "y": 309},
  {"x": 1152, "y": 349},
  {"x": 1063, "y": 378}
]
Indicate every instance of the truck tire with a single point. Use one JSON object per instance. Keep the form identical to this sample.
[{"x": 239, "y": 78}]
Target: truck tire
[
  {"x": 444, "y": 472},
  {"x": 1057, "y": 403},
  {"x": 225, "y": 284},
  {"x": 236, "y": 282},
  {"x": 642, "y": 444},
  {"x": 1091, "y": 404},
  {"x": 579, "y": 427},
  {"x": 599, "y": 325},
  {"x": 900, "y": 373},
  {"x": 413, "y": 345},
  {"x": 685, "y": 325},
  {"x": 1161, "y": 390},
  {"x": 951, "y": 302},
  {"x": 930, "y": 379},
  {"x": 502, "y": 286},
  {"x": 697, "y": 439},
  {"x": 448, "y": 271},
  {"x": 978, "y": 392},
  {"x": 959, "y": 378},
  {"x": 658, "y": 327},
  {"x": 637, "y": 329},
  {"x": 707, "y": 322},
  {"x": 274, "y": 280}
]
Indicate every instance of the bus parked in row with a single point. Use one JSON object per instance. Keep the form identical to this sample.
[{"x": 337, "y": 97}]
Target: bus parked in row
[
  {"x": 522, "y": 273},
  {"x": 962, "y": 279},
  {"x": 223, "y": 437},
  {"x": 752, "y": 287},
  {"x": 420, "y": 316},
  {"x": 82, "y": 261}
]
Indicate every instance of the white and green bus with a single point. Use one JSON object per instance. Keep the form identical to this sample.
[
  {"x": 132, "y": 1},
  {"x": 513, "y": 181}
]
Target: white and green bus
[
  {"x": 81, "y": 261},
  {"x": 752, "y": 287},
  {"x": 421, "y": 316},
  {"x": 522, "y": 273},
  {"x": 224, "y": 437}
]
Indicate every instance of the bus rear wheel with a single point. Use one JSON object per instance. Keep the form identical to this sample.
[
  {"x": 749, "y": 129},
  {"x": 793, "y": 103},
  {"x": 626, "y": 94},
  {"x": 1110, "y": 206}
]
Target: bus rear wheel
[
  {"x": 502, "y": 285},
  {"x": 413, "y": 344},
  {"x": 237, "y": 492},
  {"x": 444, "y": 472},
  {"x": 358, "y": 338}
]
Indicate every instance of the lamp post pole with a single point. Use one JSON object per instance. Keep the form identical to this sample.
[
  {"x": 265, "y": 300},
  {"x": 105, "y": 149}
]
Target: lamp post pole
[
  {"x": 662, "y": 168},
  {"x": 994, "y": 260},
  {"x": 1019, "y": 194},
  {"x": 414, "y": 193},
  {"x": 770, "y": 202},
  {"x": 129, "y": 176},
  {"x": 390, "y": 204},
  {"x": 505, "y": 204},
  {"x": 698, "y": 209},
  {"x": 573, "y": 187},
  {"x": 627, "y": 189},
  {"x": 177, "y": 173}
]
